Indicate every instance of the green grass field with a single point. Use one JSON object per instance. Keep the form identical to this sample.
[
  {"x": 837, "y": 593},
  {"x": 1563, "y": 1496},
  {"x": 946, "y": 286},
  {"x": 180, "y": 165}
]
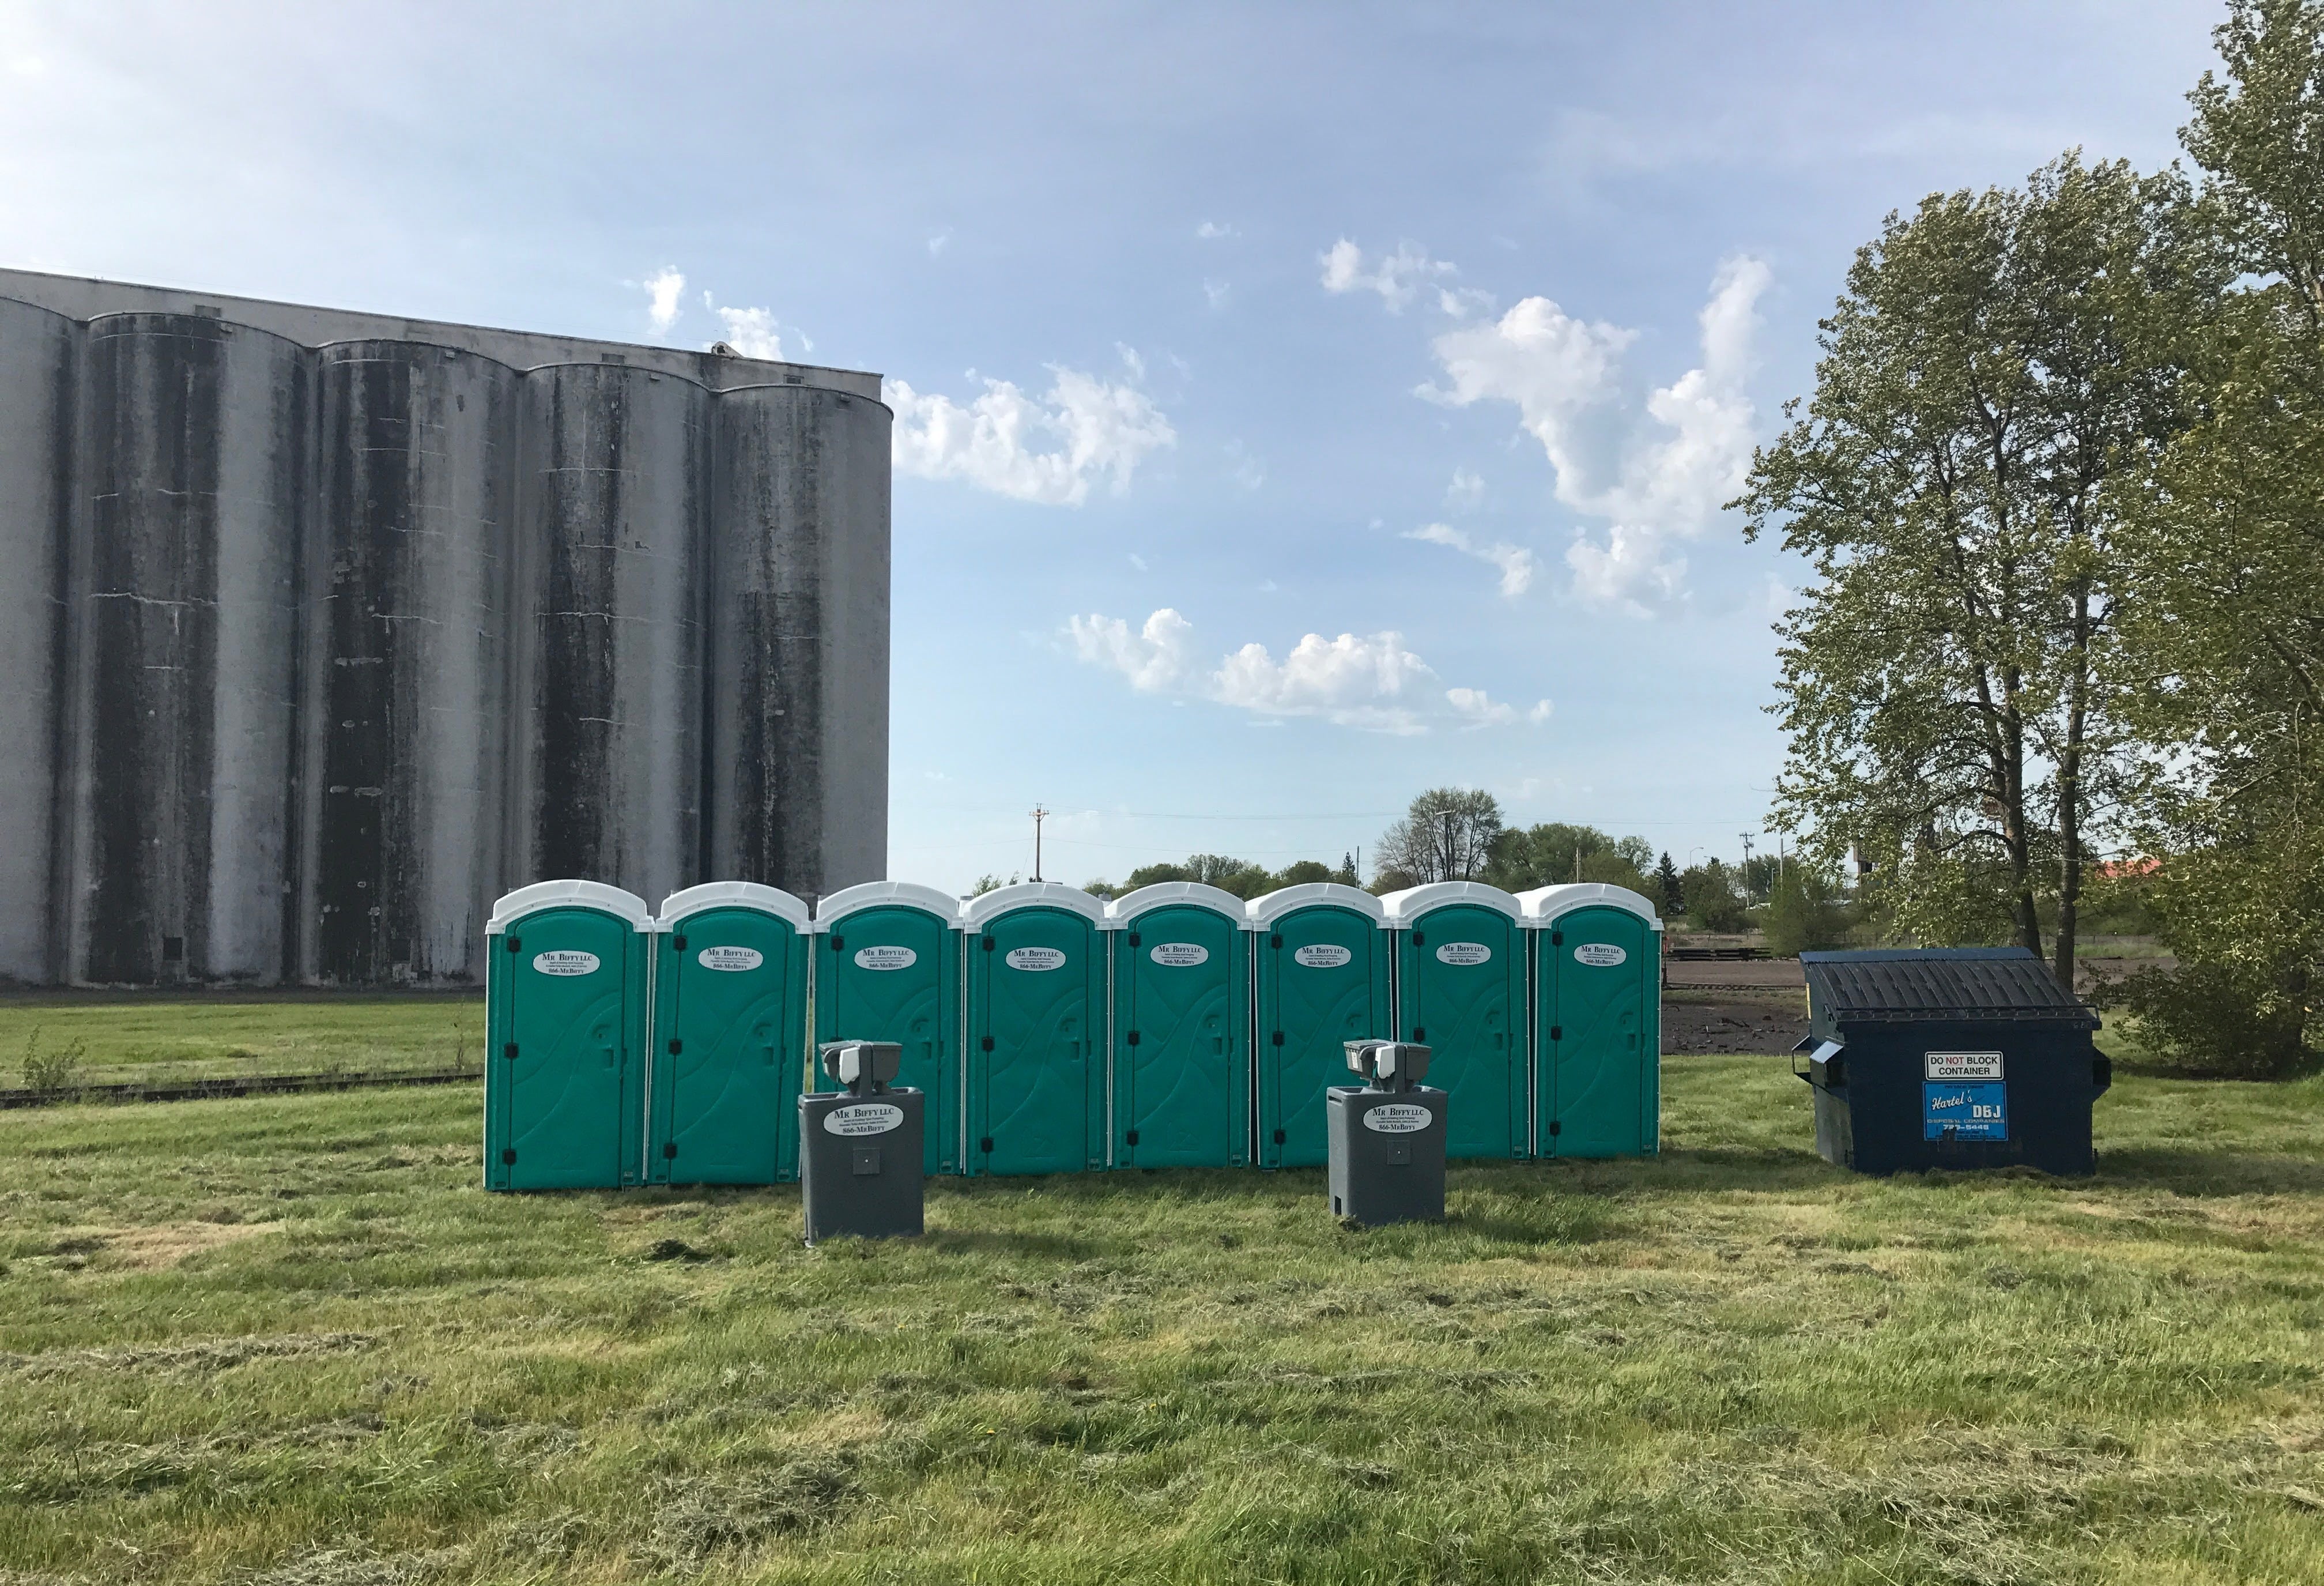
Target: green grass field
[
  {"x": 289, "y": 1341},
  {"x": 116, "y": 1040}
]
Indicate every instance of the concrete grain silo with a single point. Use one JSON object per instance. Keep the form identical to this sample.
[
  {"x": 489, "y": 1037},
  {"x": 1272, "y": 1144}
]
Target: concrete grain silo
[{"x": 324, "y": 629}]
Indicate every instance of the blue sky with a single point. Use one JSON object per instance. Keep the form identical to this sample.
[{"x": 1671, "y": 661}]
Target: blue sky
[{"x": 1298, "y": 405}]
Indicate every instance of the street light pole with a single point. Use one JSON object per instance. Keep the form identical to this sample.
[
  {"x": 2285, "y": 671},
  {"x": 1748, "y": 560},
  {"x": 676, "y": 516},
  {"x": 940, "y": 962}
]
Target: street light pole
[{"x": 1039, "y": 814}]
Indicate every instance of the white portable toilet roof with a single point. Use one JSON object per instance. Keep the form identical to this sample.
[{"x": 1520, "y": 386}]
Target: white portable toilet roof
[
  {"x": 976, "y": 910},
  {"x": 542, "y": 895},
  {"x": 1270, "y": 907},
  {"x": 772, "y": 900},
  {"x": 1130, "y": 905},
  {"x": 865, "y": 895},
  {"x": 1403, "y": 907},
  {"x": 1545, "y": 904}
]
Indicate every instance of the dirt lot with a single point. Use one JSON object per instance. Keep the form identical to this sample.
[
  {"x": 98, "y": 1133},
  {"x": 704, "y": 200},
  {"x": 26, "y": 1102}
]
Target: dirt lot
[{"x": 1770, "y": 1022}]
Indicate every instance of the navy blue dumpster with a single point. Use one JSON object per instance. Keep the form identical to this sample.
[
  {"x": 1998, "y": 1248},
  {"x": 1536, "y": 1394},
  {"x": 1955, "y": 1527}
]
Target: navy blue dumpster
[{"x": 1952, "y": 1057}]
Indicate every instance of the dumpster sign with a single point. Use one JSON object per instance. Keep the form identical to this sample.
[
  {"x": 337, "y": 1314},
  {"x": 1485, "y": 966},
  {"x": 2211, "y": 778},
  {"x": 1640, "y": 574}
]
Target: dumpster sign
[
  {"x": 1962, "y": 1065},
  {"x": 1951, "y": 1112}
]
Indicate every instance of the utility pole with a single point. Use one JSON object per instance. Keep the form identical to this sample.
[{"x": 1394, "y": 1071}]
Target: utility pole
[
  {"x": 1747, "y": 864},
  {"x": 1039, "y": 814},
  {"x": 1577, "y": 861},
  {"x": 1448, "y": 848}
]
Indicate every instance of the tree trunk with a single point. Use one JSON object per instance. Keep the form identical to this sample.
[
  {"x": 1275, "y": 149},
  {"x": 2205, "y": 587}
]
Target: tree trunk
[{"x": 2070, "y": 797}]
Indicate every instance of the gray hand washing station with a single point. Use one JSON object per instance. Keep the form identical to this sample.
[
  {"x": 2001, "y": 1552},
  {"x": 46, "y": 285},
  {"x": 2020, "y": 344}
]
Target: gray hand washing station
[
  {"x": 861, "y": 1147},
  {"x": 1386, "y": 1138}
]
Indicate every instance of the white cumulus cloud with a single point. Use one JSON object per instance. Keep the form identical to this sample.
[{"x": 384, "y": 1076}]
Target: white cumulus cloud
[
  {"x": 1047, "y": 448},
  {"x": 1657, "y": 483},
  {"x": 1153, "y": 658},
  {"x": 1515, "y": 561},
  {"x": 1370, "y": 681},
  {"x": 752, "y": 332},
  {"x": 1211, "y": 230},
  {"x": 1479, "y": 709},
  {"x": 1466, "y": 493},
  {"x": 662, "y": 294},
  {"x": 1396, "y": 277}
]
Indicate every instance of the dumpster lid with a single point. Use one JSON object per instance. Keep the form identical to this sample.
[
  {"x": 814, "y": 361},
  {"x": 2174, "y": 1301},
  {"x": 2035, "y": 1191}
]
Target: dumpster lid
[
  {"x": 1544, "y": 904},
  {"x": 732, "y": 895},
  {"x": 1270, "y": 907},
  {"x": 1404, "y": 907},
  {"x": 1126, "y": 908},
  {"x": 976, "y": 910},
  {"x": 1900, "y": 983},
  {"x": 543, "y": 895},
  {"x": 848, "y": 901}
]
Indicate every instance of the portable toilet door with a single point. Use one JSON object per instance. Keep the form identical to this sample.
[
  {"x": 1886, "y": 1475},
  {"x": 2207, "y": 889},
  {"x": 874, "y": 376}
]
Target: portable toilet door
[
  {"x": 887, "y": 968},
  {"x": 1034, "y": 1078},
  {"x": 730, "y": 1020},
  {"x": 568, "y": 967},
  {"x": 1460, "y": 991},
  {"x": 1321, "y": 979},
  {"x": 1595, "y": 967},
  {"x": 1181, "y": 1027}
]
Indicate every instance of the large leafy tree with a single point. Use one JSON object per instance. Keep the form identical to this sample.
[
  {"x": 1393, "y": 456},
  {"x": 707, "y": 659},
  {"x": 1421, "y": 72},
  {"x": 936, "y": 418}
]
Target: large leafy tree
[
  {"x": 1525, "y": 857},
  {"x": 1446, "y": 835},
  {"x": 2228, "y": 547},
  {"x": 1948, "y": 684}
]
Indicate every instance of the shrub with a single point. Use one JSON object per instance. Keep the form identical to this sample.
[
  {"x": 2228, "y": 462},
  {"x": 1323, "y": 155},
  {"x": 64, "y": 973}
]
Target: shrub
[{"x": 2218, "y": 1021}]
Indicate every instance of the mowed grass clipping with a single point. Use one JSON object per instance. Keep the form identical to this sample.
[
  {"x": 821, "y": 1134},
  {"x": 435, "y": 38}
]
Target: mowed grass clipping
[{"x": 291, "y": 1340}]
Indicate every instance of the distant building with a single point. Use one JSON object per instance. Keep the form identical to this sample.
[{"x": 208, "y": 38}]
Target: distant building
[{"x": 320, "y": 630}]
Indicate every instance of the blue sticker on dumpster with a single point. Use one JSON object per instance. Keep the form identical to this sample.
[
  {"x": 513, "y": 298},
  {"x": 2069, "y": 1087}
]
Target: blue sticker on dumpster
[{"x": 1964, "y": 1113}]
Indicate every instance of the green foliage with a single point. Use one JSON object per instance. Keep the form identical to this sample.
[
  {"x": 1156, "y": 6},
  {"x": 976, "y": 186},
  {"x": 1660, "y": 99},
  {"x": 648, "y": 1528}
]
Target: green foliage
[
  {"x": 1240, "y": 877},
  {"x": 60, "y": 1068},
  {"x": 1669, "y": 891},
  {"x": 1712, "y": 903},
  {"x": 2220, "y": 1020},
  {"x": 1806, "y": 912},
  {"x": 2227, "y": 537},
  {"x": 991, "y": 884},
  {"x": 1446, "y": 835},
  {"x": 1951, "y": 686},
  {"x": 1553, "y": 852},
  {"x": 278, "y": 1340}
]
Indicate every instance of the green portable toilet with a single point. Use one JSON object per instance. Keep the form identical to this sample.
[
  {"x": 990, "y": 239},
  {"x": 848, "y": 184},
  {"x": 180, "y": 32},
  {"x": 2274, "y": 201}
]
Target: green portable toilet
[
  {"x": 1181, "y": 1027},
  {"x": 1321, "y": 979},
  {"x": 729, "y": 1036},
  {"x": 565, "y": 991},
  {"x": 1460, "y": 992},
  {"x": 1594, "y": 971},
  {"x": 887, "y": 968},
  {"x": 1033, "y": 1082}
]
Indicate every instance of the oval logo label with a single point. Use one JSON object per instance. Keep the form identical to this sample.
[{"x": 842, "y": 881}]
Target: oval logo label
[
  {"x": 885, "y": 958},
  {"x": 1180, "y": 954},
  {"x": 1397, "y": 1117},
  {"x": 864, "y": 1118},
  {"x": 1321, "y": 957},
  {"x": 1463, "y": 953},
  {"x": 565, "y": 961},
  {"x": 1599, "y": 954},
  {"x": 730, "y": 958},
  {"x": 1036, "y": 958}
]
